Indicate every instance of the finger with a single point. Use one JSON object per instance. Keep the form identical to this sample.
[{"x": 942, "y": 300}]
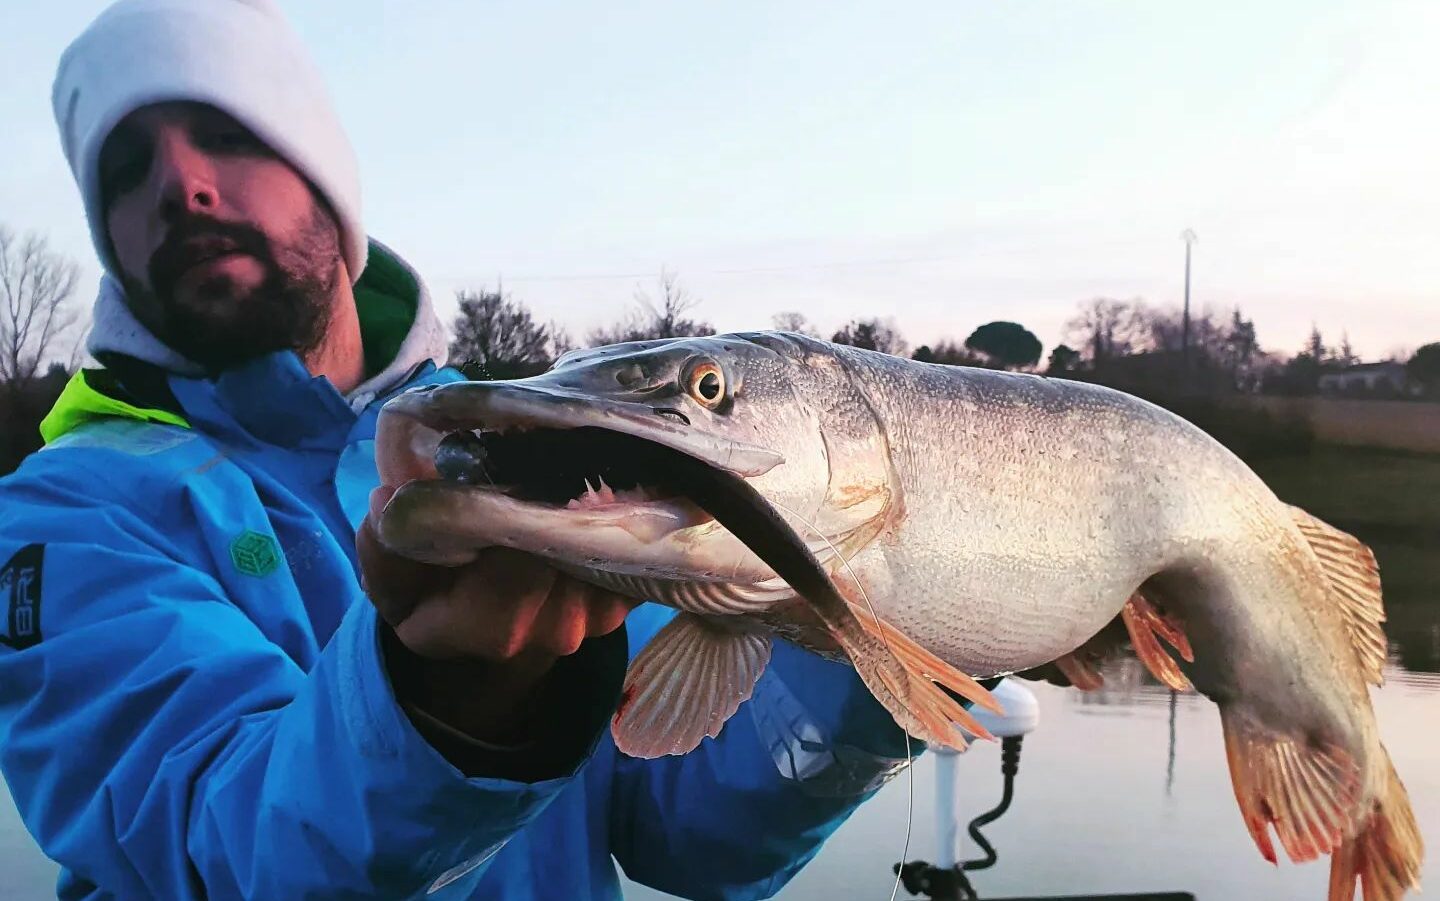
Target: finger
[
  {"x": 564, "y": 620},
  {"x": 429, "y": 630},
  {"x": 426, "y": 521},
  {"x": 395, "y": 584},
  {"x": 608, "y": 610},
  {"x": 490, "y": 611}
]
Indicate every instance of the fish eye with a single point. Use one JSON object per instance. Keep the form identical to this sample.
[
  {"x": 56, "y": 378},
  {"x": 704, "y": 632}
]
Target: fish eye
[{"x": 706, "y": 383}]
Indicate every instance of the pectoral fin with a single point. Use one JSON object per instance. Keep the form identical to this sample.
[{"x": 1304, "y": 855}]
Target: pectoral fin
[
  {"x": 922, "y": 671},
  {"x": 686, "y": 682}
]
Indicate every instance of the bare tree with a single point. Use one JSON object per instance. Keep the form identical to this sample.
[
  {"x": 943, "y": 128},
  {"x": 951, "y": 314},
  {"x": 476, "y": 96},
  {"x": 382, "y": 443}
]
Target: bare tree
[
  {"x": 560, "y": 340},
  {"x": 665, "y": 319},
  {"x": 1345, "y": 355},
  {"x": 794, "y": 322},
  {"x": 1105, "y": 328},
  {"x": 36, "y": 285},
  {"x": 495, "y": 338},
  {"x": 1164, "y": 330}
]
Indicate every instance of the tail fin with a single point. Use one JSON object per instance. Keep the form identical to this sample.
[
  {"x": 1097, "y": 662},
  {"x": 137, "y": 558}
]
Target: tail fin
[{"x": 1385, "y": 855}]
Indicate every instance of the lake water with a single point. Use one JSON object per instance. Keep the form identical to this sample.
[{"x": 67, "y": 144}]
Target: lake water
[{"x": 1105, "y": 800}]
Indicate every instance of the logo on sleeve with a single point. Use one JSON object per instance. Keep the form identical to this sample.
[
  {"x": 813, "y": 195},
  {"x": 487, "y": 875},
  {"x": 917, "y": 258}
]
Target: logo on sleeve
[
  {"x": 20, "y": 597},
  {"x": 254, "y": 553}
]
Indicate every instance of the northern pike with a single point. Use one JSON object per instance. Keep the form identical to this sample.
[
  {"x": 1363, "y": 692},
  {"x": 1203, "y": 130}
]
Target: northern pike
[{"x": 928, "y": 524}]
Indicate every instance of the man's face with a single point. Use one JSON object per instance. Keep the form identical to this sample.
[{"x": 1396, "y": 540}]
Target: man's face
[{"x": 225, "y": 251}]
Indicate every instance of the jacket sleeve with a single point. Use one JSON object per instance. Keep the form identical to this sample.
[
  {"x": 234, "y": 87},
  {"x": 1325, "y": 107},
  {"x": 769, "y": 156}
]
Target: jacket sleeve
[
  {"x": 159, "y": 744},
  {"x": 741, "y": 814}
]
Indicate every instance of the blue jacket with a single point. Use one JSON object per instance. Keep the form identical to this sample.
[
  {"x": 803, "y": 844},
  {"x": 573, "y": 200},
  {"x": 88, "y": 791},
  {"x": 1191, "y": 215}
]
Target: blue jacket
[{"x": 193, "y": 701}]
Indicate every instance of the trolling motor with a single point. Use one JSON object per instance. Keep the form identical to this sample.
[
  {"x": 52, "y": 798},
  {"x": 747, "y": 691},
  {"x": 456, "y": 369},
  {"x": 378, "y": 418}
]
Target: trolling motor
[{"x": 945, "y": 880}]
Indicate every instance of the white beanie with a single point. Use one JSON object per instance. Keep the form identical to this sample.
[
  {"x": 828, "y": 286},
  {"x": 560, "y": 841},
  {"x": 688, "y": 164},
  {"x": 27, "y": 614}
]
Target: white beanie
[{"x": 239, "y": 56}]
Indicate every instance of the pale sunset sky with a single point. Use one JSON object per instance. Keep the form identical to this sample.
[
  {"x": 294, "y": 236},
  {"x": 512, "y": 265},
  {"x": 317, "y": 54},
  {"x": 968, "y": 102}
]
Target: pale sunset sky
[{"x": 942, "y": 163}]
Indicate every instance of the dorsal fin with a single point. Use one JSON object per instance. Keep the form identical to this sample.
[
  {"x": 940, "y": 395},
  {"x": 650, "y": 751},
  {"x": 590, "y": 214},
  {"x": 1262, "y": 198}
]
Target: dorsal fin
[{"x": 1354, "y": 580}]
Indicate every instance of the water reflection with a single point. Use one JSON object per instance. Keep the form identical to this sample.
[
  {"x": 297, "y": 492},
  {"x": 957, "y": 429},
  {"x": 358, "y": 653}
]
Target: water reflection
[
  {"x": 1170, "y": 756},
  {"x": 1414, "y": 633}
]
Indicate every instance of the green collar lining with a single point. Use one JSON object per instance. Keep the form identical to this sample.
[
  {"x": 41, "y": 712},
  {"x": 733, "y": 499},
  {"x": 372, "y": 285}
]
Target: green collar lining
[{"x": 387, "y": 297}]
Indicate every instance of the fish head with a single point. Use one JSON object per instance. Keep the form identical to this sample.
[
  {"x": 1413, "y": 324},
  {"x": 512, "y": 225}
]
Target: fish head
[{"x": 589, "y": 464}]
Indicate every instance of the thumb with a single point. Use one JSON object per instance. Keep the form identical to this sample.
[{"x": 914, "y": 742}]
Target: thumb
[
  {"x": 394, "y": 584},
  {"x": 379, "y": 498}
]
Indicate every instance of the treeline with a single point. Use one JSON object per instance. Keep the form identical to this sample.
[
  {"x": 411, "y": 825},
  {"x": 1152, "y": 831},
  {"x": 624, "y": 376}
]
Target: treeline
[
  {"x": 1135, "y": 343},
  {"x": 497, "y": 337},
  {"x": 1124, "y": 343},
  {"x": 1188, "y": 365}
]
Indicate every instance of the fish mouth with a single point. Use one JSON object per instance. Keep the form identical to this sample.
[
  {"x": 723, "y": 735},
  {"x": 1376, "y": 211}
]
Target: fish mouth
[
  {"x": 572, "y": 476},
  {"x": 586, "y": 469}
]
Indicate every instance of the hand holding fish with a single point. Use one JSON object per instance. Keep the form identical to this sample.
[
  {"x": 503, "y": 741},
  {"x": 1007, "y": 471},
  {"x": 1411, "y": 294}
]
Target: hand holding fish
[{"x": 485, "y": 633}]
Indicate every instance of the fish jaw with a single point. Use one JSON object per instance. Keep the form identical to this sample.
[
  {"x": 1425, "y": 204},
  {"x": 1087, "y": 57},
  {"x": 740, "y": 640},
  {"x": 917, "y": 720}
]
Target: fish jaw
[
  {"x": 639, "y": 531},
  {"x": 532, "y": 404},
  {"x": 443, "y": 522}
]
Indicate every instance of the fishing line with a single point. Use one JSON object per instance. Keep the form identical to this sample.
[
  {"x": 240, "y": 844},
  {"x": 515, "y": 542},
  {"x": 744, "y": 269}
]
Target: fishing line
[{"x": 880, "y": 629}]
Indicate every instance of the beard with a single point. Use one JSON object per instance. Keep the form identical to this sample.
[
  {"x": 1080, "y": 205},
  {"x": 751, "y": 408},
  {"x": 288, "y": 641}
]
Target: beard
[{"x": 219, "y": 323}]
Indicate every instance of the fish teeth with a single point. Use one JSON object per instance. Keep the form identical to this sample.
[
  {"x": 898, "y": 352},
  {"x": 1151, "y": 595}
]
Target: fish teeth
[{"x": 605, "y": 495}]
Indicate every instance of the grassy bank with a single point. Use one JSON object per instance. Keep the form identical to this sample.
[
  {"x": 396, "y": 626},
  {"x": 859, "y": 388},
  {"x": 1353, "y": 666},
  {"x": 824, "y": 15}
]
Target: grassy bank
[
  {"x": 1390, "y": 500},
  {"x": 1361, "y": 487}
]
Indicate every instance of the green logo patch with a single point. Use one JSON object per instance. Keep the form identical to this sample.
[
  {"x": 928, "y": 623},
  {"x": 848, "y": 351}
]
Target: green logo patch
[{"x": 254, "y": 553}]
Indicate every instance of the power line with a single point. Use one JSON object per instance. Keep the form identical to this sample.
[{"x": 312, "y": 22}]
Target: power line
[{"x": 792, "y": 267}]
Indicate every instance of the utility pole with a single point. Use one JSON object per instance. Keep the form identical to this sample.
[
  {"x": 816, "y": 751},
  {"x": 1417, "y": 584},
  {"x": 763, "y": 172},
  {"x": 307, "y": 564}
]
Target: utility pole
[{"x": 1190, "y": 239}]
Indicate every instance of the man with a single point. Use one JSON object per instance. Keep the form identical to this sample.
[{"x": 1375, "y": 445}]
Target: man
[{"x": 208, "y": 686}]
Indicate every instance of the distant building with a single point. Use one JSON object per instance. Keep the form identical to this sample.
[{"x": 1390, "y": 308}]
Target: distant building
[{"x": 1386, "y": 379}]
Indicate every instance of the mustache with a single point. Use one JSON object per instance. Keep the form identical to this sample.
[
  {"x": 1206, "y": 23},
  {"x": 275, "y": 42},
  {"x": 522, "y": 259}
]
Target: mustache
[{"x": 195, "y": 240}]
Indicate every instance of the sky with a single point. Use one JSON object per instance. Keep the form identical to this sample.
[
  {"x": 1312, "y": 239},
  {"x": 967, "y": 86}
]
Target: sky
[{"x": 940, "y": 163}]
